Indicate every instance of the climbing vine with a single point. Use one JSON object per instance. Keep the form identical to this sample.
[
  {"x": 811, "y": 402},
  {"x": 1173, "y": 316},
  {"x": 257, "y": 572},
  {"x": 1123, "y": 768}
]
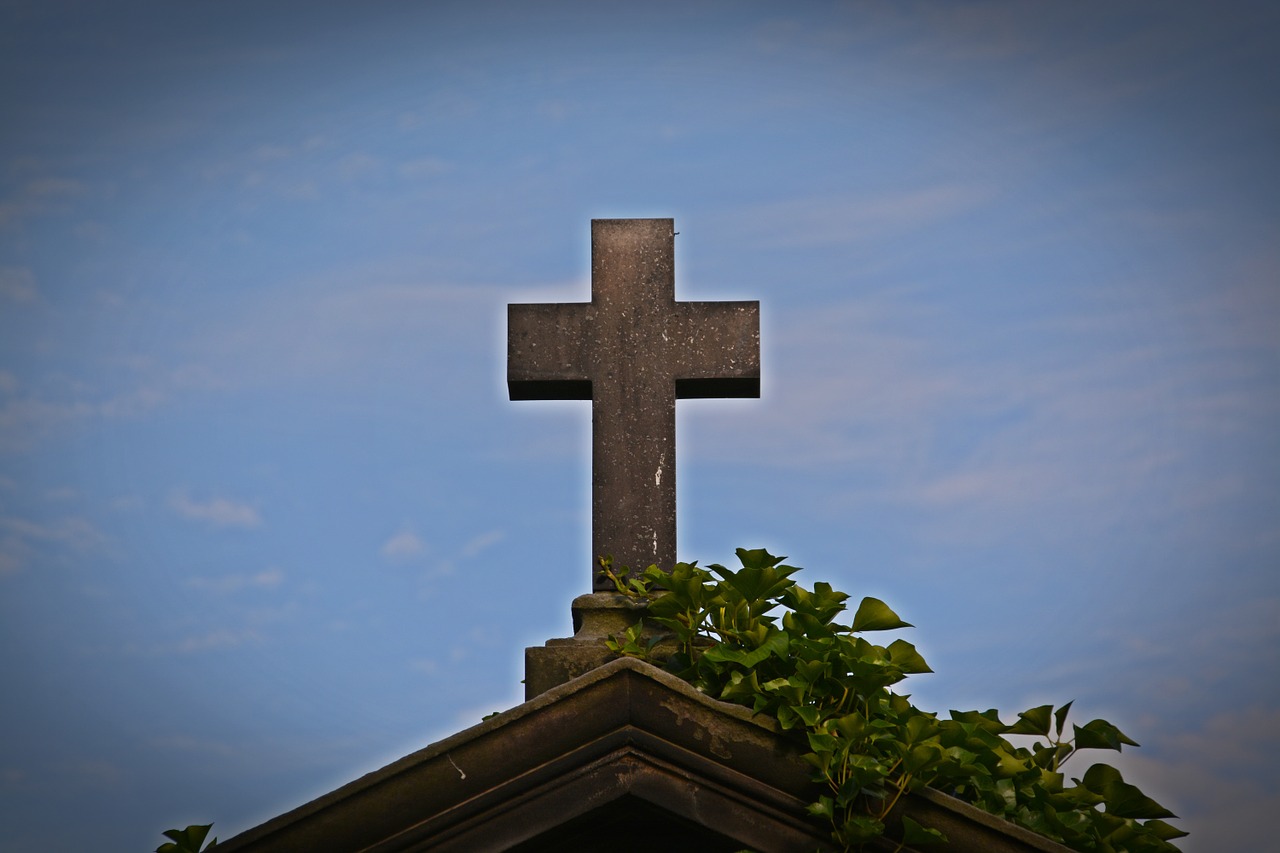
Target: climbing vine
[{"x": 755, "y": 637}]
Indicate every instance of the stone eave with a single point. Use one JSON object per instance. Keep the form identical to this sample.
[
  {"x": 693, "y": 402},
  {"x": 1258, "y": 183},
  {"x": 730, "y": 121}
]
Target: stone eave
[{"x": 625, "y": 748}]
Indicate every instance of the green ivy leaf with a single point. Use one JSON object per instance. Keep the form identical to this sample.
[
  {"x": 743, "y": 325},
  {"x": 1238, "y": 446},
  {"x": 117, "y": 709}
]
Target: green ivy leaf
[
  {"x": 1128, "y": 801},
  {"x": 852, "y": 727},
  {"x": 1099, "y": 734},
  {"x": 861, "y": 829},
  {"x": 1121, "y": 799},
  {"x": 921, "y": 757},
  {"x": 1051, "y": 782},
  {"x": 1033, "y": 722},
  {"x": 906, "y": 658},
  {"x": 741, "y": 687},
  {"x": 1010, "y": 764},
  {"x": 1060, "y": 717},
  {"x": 921, "y": 727},
  {"x": 758, "y": 583},
  {"x": 1163, "y": 831},
  {"x": 757, "y": 558},
  {"x": 820, "y": 761},
  {"x": 824, "y": 807},
  {"x": 913, "y": 834},
  {"x": 822, "y": 743},
  {"x": 187, "y": 840},
  {"x": 874, "y": 615},
  {"x": 810, "y": 715},
  {"x": 775, "y": 645},
  {"x": 987, "y": 721}
]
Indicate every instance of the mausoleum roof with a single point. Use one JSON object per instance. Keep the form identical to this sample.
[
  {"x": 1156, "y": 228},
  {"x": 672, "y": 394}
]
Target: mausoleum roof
[{"x": 626, "y": 757}]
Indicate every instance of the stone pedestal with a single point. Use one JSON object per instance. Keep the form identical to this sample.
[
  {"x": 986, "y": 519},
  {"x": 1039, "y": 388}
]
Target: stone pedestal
[{"x": 595, "y": 617}]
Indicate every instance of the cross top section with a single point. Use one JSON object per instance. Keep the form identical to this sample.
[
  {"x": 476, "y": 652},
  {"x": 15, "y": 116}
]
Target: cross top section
[{"x": 632, "y": 351}]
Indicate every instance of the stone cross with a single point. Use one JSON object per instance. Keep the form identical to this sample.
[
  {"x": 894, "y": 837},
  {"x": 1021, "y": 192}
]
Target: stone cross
[{"x": 632, "y": 350}]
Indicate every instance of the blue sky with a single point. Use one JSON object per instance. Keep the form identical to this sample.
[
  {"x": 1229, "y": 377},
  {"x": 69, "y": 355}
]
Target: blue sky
[{"x": 268, "y": 521}]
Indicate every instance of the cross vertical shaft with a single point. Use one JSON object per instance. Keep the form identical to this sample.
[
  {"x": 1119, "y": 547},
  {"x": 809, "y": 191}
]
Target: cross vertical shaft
[{"x": 633, "y": 350}]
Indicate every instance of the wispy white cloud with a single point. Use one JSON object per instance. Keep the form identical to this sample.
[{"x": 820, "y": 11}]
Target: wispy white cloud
[
  {"x": 847, "y": 220},
  {"x": 425, "y": 167},
  {"x": 18, "y": 284},
  {"x": 73, "y": 532},
  {"x": 194, "y": 745},
  {"x": 193, "y": 639},
  {"x": 265, "y": 164},
  {"x": 474, "y": 546},
  {"x": 1218, "y": 776},
  {"x": 404, "y": 545},
  {"x": 38, "y": 196},
  {"x": 30, "y": 418},
  {"x": 21, "y": 539},
  {"x": 217, "y": 639},
  {"x": 435, "y": 562},
  {"x": 220, "y": 512},
  {"x": 356, "y": 166},
  {"x": 1145, "y": 409},
  {"x": 1065, "y": 73},
  {"x": 125, "y": 503},
  {"x": 424, "y": 666},
  {"x": 61, "y": 493},
  {"x": 224, "y": 584},
  {"x": 101, "y": 774},
  {"x": 854, "y": 386},
  {"x": 272, "y": 152},
  {"x": 335, "y": 331},
  {"x": 303, "y": 170},
  {"x": 131, "y": 403},
  {"x": 25, "y": 421}
]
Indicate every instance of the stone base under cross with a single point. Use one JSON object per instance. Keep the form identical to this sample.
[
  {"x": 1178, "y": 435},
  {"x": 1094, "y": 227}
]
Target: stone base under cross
[{"x": 596, "y": 617}]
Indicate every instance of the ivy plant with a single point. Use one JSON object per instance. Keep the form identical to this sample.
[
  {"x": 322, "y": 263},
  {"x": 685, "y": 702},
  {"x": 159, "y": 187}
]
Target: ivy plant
[
  {"x": 756, "y": 637},
  {"x": 189, "y": 840}
]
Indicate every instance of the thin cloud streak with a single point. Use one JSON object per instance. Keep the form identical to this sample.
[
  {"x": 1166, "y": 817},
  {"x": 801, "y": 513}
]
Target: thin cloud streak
[
  {"x": 845, "y": 221},
  {"x": 1053, "y": 433},
  {"x": 405, "y": 545},
  {"x": 347, "y": 334},
  {"x": 226, "y": 584},
  {"x": 218, "y": 511},
  {"x": 24, "y": 542}
]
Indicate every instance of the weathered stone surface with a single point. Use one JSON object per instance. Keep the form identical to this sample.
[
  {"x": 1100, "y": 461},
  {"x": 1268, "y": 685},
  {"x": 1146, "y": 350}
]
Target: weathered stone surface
[{"x": 633, "y": 350}]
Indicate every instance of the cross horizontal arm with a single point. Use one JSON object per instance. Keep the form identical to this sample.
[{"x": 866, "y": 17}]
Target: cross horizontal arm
[
  {"x": 716, "y": 351},
  {"x": 547, "y": 348}
]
